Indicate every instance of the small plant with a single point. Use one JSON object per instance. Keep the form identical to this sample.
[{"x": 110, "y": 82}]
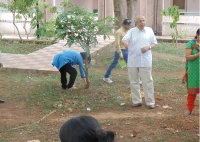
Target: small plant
[{"x": 173, "y": 12}]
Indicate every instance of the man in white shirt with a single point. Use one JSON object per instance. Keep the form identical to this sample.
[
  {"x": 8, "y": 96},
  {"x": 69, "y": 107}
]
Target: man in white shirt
[{"x": 139, "y": 41}]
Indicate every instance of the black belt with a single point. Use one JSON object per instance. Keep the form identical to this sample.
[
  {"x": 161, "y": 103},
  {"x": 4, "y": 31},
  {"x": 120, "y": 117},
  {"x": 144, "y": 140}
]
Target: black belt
[{"x": 124, "y": 49}]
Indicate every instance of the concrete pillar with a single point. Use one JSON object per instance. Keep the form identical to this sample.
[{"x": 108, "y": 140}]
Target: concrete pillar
[
  {"x": 105, "y": 8},
  {"x": 159, "y": 17},
  {"x": 101, "y": 9},
  {"x": 109, "y": 8}
]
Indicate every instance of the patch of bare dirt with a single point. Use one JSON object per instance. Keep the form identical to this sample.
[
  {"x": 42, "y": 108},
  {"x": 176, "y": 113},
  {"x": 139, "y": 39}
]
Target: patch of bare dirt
[
  {"x": 184, "y": 123},
  {"x": 12, "y": 113}
]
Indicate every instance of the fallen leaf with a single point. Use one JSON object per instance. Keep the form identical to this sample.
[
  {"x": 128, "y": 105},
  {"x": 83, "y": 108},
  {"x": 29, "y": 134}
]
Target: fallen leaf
[
  {"x": 69, "y": 110},
  {"x": 165, "y": 106},
  {"x": 142, "y": 94},
  {"x": 165, "y": 126},
  {"x": 88, "y": 109},
  {"x": 122, "y": 104},
  {"x": 119, "y": 97},
  {"x": 69, "y": 102},
  {"x": 170, "y": 129},
  {"x": 57, "y": 104},
  {"x": 134, "y": 133}
]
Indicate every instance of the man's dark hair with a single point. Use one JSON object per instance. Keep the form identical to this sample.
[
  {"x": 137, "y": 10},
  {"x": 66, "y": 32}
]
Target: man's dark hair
[
  {"x": 84, "y": 129},
  {"x": 127, "y": 22},
  {"x": 84, "y": 56}
]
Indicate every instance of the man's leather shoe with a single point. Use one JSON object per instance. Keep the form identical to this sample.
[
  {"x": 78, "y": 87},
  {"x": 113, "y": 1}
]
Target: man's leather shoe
[
  {"x": 151, "y": 106},
  {"x": 1, "y": 101},
  {"x": 137, "y": 105}
]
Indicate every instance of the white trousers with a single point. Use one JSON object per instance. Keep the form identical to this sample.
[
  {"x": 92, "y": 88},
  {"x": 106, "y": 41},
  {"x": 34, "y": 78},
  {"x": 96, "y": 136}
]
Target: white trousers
[{"x": 147, "y": 84}]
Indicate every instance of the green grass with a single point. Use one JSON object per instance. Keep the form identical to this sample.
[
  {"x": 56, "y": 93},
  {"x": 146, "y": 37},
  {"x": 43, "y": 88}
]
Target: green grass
[
  {"x": 167, "y": 65},
  {"x": 19, "y": 48},
  {"x": 171, "y": 48}
]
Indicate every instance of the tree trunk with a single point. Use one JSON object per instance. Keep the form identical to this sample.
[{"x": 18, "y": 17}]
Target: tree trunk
[
  {"x": 16, "y": 26},
  {"x": 119, "y": 10},
  {"x": 24, "y": 26},
  {"x": 86, "y": 72},
  {"x": 131, "y": 10}
]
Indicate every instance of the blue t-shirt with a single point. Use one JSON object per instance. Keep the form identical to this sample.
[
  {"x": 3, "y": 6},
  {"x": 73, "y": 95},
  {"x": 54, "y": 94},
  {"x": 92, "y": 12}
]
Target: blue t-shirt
[{"x": 69, "y": 56}]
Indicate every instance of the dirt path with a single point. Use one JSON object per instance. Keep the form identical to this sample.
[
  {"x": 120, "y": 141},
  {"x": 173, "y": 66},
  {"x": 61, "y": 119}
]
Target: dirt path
[{"x": 116, "y": 115}]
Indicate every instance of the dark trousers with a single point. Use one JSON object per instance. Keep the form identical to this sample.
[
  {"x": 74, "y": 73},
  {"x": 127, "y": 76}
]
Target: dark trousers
[{"x": 67, "y": 68}]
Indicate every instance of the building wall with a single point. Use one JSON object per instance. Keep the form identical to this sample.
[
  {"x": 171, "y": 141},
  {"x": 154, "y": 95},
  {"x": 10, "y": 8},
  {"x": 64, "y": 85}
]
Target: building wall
[
  {"x": 90, "y": 5},
  {"x": 105, "y": 8},
  {"x": 193, "y": 6},
  {"x": 159, "y": 19},
  {"x": 147, "y": 8},
  {"x": 187, "y": 23}
]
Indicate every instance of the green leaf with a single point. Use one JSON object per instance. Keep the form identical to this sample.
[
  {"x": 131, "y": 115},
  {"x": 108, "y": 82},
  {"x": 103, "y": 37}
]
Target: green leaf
[
  {"x": 80, "y": 27},
  {"x": 53, "y": 9}
]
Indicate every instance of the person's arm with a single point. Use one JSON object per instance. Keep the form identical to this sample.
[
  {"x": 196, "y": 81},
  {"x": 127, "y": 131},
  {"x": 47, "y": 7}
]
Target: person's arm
[
  {"x": 81, "y": 66},
  {"x": 117, "y": 44},
  {"x": 82, "y": 71},
  {"x": 126, "y": 39},
  {"x": 125, "y": 43},
  {"x": 189, "y": 56},
  {"x": 146, "y": 48}
]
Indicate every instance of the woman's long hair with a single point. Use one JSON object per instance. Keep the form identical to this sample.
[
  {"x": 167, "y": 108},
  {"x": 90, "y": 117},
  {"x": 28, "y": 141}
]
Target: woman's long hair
[{"x": 197, "y": 33}]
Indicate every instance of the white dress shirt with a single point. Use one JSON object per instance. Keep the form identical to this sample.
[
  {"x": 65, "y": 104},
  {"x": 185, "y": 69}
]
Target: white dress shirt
[{"x": 138, "y": 39}]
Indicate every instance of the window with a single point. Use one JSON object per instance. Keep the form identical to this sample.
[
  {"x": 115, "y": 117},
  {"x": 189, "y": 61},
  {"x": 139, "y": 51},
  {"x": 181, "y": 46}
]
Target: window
[{"x": 180, "y": 3}]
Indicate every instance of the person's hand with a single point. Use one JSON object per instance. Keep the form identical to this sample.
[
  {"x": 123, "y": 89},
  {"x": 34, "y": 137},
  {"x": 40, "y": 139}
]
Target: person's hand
[
  {"x": 145, "y": 49},
  {"x": 125, "y": 43},
  {"x": 121, "y": 57},
  {"x": 1, "y": 65}
]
